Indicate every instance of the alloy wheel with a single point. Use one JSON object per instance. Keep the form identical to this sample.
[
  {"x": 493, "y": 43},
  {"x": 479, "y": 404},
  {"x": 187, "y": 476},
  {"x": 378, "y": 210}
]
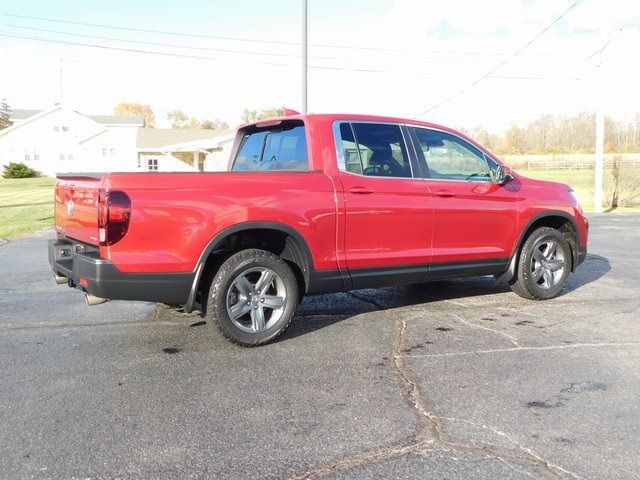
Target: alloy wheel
[{"x": 256, "y": 299}]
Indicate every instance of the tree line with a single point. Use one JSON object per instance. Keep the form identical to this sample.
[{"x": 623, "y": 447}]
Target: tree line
[
  {"x": 179, "y": 119},
  {"x": 566, "y": 134},
  {"x": 547, "y": 134}
]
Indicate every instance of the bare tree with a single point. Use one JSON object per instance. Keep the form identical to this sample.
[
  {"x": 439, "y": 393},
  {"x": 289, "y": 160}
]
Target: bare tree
[
  {"x": 178, "y": 119},
  {"x": 249, "y": 115}
]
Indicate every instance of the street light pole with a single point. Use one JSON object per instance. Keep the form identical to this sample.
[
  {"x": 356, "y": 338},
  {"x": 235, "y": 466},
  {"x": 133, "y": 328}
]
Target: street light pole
[{"x": 304, "y": 56}]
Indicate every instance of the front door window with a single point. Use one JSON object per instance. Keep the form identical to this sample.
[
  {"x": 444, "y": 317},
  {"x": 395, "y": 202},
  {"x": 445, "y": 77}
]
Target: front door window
[{"x": 449, "y": 157}]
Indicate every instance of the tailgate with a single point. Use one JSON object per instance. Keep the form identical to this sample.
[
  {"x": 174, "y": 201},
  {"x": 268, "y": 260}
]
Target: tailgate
[{"x": 76, "y": 207}]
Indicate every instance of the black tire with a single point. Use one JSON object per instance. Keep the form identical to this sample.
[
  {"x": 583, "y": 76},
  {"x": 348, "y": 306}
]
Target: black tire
[
  {"x": 240, "y": 273},
  {"x": 529, "y": 282}
]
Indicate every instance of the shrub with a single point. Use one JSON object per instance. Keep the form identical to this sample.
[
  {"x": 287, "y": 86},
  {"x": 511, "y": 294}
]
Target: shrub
[
  {"x": 18, "y": 170},
  {"x": 622, "y": 186}
]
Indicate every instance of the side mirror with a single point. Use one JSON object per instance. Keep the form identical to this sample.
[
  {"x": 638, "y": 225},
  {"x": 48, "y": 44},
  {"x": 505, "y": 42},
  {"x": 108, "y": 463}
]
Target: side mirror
[{"x": 501, "y": 175}]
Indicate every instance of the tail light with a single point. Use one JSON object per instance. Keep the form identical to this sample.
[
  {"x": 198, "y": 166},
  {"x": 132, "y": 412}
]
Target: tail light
[{"x": 114, "y": 213}]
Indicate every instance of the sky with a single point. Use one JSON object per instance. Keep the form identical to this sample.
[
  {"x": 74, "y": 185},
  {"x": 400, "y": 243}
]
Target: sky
[{"x": 403, "y": 58}]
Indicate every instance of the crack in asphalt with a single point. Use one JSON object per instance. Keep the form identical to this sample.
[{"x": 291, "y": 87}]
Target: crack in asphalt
[
  {"x": 65, "y": 326},
  {"x": 519, "y": 311},
  {"x": 432, "y": 435},
  {"x": 517, "y": 349},
  {"x": 513, "y": 441},
  {"x": 560, "y": 301},
  {"x": 363, "y": 298},
  {"x": 511, "y": 338},
  {"x": 149, "y": 319}
]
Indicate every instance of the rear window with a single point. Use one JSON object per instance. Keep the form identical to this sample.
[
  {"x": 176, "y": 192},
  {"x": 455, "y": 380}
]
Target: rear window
[{"x": 281, "y": 147}]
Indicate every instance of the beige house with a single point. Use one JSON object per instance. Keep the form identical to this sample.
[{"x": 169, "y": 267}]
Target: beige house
[{"x": 165, "y": 149}]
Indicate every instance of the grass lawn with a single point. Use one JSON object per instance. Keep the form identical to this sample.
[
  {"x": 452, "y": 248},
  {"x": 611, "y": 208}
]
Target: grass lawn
[
  {"x": 582, "y": 182},
  {"x": 26, "y": 205}
]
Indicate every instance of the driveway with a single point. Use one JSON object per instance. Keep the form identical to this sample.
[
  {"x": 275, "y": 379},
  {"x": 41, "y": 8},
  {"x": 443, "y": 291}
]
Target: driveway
[{"x": 452, "y": 380}]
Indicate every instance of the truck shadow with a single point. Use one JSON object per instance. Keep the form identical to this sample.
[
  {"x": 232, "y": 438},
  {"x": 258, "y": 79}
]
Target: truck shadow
[{"x": 320, "y": 311}]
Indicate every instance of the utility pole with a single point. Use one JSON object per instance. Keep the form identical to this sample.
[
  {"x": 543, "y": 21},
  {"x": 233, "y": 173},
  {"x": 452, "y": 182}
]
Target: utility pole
[
  {"x": 599, "y": 160},
  {"x": 61, "y": 79},
  {"x": 304, "y": 56},
  {"x": 600, "y": 107},
  {"x": 599, "y": 167}
]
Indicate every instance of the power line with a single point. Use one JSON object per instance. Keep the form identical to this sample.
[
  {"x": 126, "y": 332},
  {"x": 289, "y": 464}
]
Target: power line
[
  {"x": 140, "y": 42},
  {"x": 163, "y": 32},
  {"x": 503, "y": 63},
  {"x": 132, "y": 50},
  {"x": 317, "y": 67},
  {"x": 605, "y": 45},
  {"x": 190, "y": 47},
  {"x": 256, "y": 40}
]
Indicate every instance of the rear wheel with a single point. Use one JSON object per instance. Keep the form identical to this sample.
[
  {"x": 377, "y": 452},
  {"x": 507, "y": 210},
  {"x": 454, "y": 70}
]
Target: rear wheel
[
  {"x": 544, "y": 265},
  {"x": 252, "y": 297}
]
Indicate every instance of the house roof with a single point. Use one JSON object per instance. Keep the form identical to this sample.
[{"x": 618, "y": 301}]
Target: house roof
[
  {"x": 200, "y": 145},
  {"x": 118, "y": 119},
  {"x": 23, "y": 114},
  {"x": 137, "y": 120},
  {"x": 156, "y": 138},
  {"x": 31, "y": 118}
]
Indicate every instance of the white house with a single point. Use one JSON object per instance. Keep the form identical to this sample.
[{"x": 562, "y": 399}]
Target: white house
[{"x": 63, "y": 140}]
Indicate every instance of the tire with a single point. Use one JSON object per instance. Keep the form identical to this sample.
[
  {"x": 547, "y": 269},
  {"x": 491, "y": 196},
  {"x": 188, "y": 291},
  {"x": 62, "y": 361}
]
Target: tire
[
  {"x": 544, "y": 265},
  {"x": 252, "y": 297}
]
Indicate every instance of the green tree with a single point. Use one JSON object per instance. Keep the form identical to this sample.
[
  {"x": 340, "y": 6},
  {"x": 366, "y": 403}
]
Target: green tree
[
  {"x": 5, "y": 114},
  {"x": 130, "y": 108}
]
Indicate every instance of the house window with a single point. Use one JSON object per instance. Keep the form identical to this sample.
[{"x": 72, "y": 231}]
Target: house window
[
  {"x": 62, "y": 157},
  {"x": 26, "y": 156},
  {"x": 36, "y": 155},
  {"x": 65, "y": 129},
  {"x": 152, "y": 164},
  {"x": 112, "y": 152},
  {"x": 56, "y": 129},
  {"x": 70, "y": 157},
  {"x": 104, "y": 152}
]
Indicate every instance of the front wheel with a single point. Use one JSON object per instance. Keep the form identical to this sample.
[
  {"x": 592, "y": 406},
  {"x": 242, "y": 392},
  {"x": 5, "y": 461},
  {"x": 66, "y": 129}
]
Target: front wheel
[
  {"x": 253, "y": 297},
  {"x": 544, "y": 265}
]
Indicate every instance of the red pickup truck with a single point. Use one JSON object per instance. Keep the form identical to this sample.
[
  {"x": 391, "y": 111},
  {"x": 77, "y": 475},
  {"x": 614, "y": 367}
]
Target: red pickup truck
[{"x": 314, "y": 204}]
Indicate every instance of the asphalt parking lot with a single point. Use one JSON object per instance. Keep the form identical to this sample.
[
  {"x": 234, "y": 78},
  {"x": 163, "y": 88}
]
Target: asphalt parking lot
[{"x": 453, "y": 380}]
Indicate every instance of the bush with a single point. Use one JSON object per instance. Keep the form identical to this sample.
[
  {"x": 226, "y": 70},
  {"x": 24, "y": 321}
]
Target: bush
[
  {"x": 622, "y": 186},
  {"x": 18, "y": 170}
]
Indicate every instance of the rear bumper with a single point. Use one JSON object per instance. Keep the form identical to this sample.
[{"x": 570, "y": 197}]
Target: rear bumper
[{"x": 86, "y": 271}]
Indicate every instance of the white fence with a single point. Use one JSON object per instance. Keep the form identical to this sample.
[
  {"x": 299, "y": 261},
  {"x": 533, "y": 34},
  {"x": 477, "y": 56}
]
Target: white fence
[{"x": 576, "y": 161}]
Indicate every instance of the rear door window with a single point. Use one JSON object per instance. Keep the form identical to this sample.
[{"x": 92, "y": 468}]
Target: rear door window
[
  {"x": 373, "y": 149},
  {"x": 283, "y": 147}
]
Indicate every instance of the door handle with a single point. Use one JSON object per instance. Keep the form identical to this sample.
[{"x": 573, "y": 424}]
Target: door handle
[
  {"x": 445, "y": 193},
  {"x": 361, "y": 190}
]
